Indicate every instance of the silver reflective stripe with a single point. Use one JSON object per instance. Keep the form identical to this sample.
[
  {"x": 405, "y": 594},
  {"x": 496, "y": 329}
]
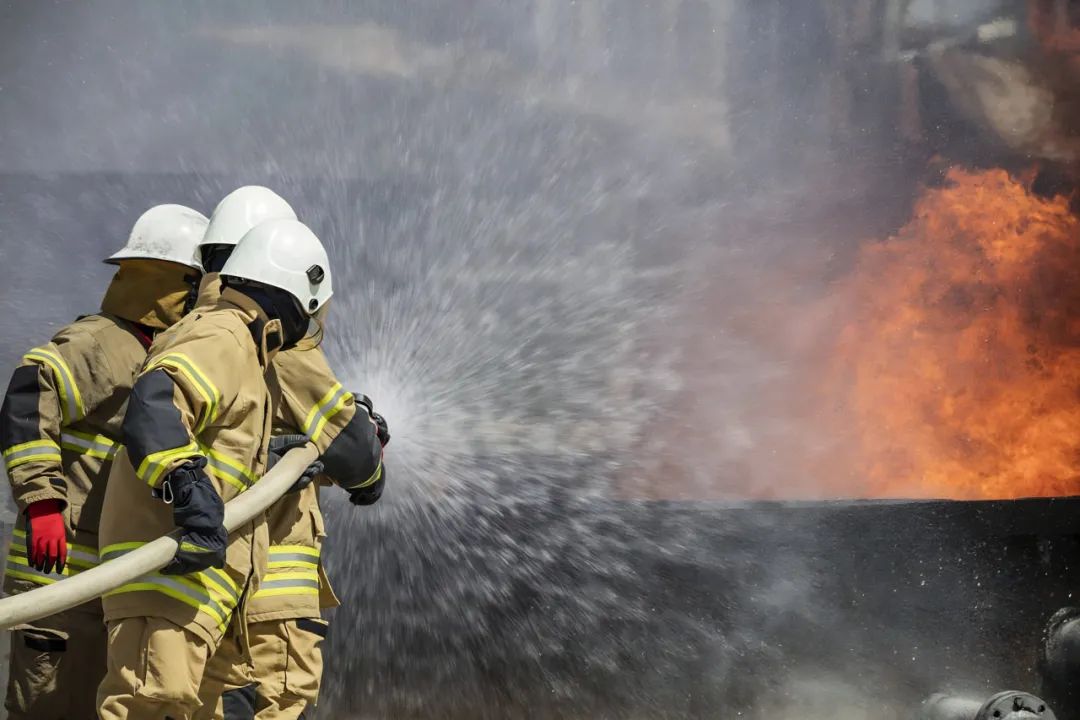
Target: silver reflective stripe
[
  {"x": 221, "y": 581},
  {"x": 77, "y": 557},
  {"x": 108, "y": 449},
  {"x": 280, "y": 584},
  {"x": 37, "y": 450},
  {"x": 298, "y": 558},
  {"x": 322, "y": 410},
  {"x": 199, "y": 597},
  {"x": 27, "y": 570},
  {"x": 211, "y": 574},
  {"x": 228, "y": 470}
]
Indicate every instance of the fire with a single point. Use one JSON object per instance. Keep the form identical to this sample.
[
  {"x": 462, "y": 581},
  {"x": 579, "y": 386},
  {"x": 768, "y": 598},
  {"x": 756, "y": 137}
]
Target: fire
[{"x": 960, "y": 366}]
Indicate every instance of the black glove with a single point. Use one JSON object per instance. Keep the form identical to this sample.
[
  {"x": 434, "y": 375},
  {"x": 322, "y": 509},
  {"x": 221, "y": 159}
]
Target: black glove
[
  {"x": 200, "y": 513},
  {"x": 281, "y": 444},
  {"x": 381, "y": 428},
  {"x": 368, "y": 495}
]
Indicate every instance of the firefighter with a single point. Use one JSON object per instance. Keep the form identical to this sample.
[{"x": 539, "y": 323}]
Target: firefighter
[
  {"x": 285, "y": 628},
  {"x": 59, "y": 428},
  {"x": 195, "y": 435}
]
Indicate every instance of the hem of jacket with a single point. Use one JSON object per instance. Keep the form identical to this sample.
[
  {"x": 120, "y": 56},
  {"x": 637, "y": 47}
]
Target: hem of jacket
[
  {"x": 310, "y": 612},
  {"x": 149, "y": 604}
]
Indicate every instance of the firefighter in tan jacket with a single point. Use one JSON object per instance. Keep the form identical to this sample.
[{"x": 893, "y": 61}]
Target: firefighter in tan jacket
[
  {"x": 59, "y": 428},
  {"x": 285, "y": 626},
  {"x": 195, "y": 435}
]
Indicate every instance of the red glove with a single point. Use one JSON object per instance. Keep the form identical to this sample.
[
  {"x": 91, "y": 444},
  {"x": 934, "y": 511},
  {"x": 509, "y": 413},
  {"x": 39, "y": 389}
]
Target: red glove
[{"x": 46, "y": 536}]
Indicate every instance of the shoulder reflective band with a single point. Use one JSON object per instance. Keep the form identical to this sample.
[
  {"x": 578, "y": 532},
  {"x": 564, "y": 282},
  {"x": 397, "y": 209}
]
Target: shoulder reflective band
[
  {"x": 80, "y": 557},
  {"x": 71, "y": 405},
  {"x": 99, "y": 446},
  {"x": 211, "y": 592},
  {"x": 282, "y": 556},
  {"x": 199, "y": 380},
  {"x": 154, "y": 465},
  {"x": 330, "y": 405},
  {"x": 370, "y": 481},
  {"x": 28, "y": 452},
  {"x": 288, "y": 582}
]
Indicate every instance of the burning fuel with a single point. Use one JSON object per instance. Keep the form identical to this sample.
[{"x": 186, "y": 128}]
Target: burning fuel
[{"x": 960, "y": 366}]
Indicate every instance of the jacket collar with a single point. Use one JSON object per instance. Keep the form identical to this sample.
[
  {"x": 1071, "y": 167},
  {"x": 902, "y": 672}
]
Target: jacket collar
[{"x": 266, "y": 333}]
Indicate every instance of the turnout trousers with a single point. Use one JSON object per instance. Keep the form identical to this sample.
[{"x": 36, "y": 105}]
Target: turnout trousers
[
  {"x": 56, "y": 665},
  {"x": 281, "y": 681}
]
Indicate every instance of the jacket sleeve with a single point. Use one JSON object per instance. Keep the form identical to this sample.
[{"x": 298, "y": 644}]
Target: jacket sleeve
[
  {"x": 313, "y": 402},
  {"x": 176, "y": 396},
  {"x": 55, "y": 385}
]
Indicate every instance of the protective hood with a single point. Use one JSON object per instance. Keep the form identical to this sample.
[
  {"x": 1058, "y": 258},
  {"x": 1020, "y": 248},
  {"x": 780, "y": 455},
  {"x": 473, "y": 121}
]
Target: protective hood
[
  {"x": 151, "y": 292},
  {"x": 209, "y": 290}
]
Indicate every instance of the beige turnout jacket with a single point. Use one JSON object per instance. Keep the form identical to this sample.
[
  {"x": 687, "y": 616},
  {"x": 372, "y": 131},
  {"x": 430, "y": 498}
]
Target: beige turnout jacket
[
  {"x": 60, "y": 430},
  {"x": 307, "y": 399}
]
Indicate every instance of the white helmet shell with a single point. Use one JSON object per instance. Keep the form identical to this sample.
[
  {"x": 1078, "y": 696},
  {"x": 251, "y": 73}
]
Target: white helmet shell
[
  {"x": 241, "y": 210},
  {"x": 165, "y": 232},
  {"x": 284, "y": 254}
]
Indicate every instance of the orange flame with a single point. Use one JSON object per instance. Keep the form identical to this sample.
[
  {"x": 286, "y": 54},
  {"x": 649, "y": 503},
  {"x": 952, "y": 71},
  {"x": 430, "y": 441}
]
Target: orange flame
[{"x": 961, "y": 364}]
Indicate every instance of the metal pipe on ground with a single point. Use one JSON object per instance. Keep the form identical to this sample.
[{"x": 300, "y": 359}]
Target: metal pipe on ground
[
  {"x": 78, "y": 589},
  {"x": 1059, "y": 662},
  {"x": 1006, "y": 705}
]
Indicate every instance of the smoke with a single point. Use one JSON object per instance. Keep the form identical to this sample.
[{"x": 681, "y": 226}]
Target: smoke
[{"x": 575, "y": 246}]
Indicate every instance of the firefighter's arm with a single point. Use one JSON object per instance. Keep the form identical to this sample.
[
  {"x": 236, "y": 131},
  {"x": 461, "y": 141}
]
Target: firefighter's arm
[
  {"x": 314, "y": 402},
  {"x": 175, "y": 397},
  {"x": 54, "y": 386},
  {"x": 353, "y": 459}
]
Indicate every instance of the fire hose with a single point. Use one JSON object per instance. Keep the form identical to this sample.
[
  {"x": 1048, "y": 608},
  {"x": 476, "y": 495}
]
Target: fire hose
[{"x": 90, "y": 584}]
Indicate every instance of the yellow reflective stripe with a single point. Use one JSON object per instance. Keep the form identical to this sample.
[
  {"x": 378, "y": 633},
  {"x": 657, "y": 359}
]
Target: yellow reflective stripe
[
  {"x": 31, "y": 575},
  {"x": 99, "y": 446},
  {"x": 218, "y": 577},
  {"x": 222, "y": 581},
  {"x": 211, "y": 592},
  {"x": 110, "y": 552},
  {"x": 228, "y": 469},
  {"x": 154, "y": 465},
  {"x": 72, "y": 404},
  {"x": 311, "y": 416},
  {"x": 168, "y": 586},
  {"x": 292, "y": 575},
  {"x": 28, "y": 452},
  {"x": 209, "y": 392},
  {"x": 19, "y": 566},
  {"x": 30, "y": 445},
  {"x": 297, "y": 582},
  {"x": 78, "y": 555},
  {"x": 277, "y": 592},
  {"x": 328, "y": 406},
  {"x": 370, "y": 481}
]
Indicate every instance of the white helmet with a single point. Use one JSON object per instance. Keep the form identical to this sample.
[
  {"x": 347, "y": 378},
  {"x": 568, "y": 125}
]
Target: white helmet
[
  {"x": 165, "y": 232},
  {"x": 241, "y": 210},
  {"x": 284, "y": 254}
]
